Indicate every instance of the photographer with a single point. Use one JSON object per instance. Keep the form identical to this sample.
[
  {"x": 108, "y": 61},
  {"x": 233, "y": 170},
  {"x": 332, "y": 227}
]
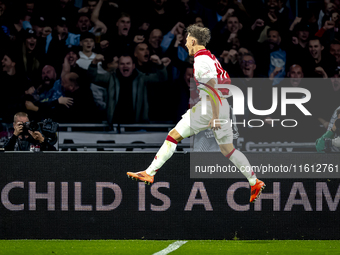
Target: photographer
[
  {"x": 24, "y": 139},
  {"x": 330, "y": 141}
]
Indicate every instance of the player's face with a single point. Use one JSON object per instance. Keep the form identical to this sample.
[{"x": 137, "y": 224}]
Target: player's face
[
  {"x": 335, "y": 51},
  {"x": 126, "y": 66},
  {"x": 295, "y": 75},
  {"x": 315, "y": 48},
  {"x": 190, "y": 45}
]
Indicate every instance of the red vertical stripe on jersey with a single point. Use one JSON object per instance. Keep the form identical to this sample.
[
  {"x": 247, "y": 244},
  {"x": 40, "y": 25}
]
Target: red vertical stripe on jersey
[{"x": 222, "y": 75}]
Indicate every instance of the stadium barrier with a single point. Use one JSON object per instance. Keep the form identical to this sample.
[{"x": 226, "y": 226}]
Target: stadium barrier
[{"x": 72, "y": 195}]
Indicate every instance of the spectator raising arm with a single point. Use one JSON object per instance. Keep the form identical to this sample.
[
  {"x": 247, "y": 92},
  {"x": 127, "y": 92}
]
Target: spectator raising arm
[
  {"x": 95, "y": 18},
  {"x": 99, "y": 79}
]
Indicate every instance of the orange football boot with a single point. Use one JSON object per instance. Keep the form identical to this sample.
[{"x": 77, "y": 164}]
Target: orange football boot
[
  {"x": 256, "y": 190},
  {"x": 141, "y": 176}
]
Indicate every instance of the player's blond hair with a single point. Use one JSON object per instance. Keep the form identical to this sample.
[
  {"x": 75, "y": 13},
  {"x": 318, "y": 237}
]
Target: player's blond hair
[{"x": 201, "y": 34}]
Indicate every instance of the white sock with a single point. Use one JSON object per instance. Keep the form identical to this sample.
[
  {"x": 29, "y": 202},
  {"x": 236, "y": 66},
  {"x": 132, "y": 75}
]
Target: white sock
[
  {"x": 165, "y": 152},
  {"x": 240, "y": 160}
]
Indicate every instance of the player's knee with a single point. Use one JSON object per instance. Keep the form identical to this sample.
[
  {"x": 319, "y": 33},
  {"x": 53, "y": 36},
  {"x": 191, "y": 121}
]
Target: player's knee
[{"x": 175, "y": 135}]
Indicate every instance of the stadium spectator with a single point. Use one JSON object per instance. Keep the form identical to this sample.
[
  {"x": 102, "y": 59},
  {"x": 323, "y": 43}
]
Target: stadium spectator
[
  {"x": 177, "y": 30},
  {"x": 335, "y": 51},
  {"x": 248, "y": 66},
  {"x": 85, "y": 58},
  {"x": 13, "y": 26},
  {"x": 159, "y": 12},
  {"x": 58, "y": 40},
  {"x": 71, "y": 58},
  {"x": 13, "y": 87},
  {"x": 186, "y": 91},
  {"x": 322, "y": 64},
  {"x": 30, "y": 61},
  {"x": 325, "y": 13},
  {"x": 23, "y": 139},
  {"x": 276, "y": 14},
  {"x": 29, "y": 7},
  {"x": 47, "y": 96},
  {"x": 330, "y": 29},
  {"x": 142, "y": 55},
  {"x": 228, "y": 33},
  {"x": 230, "y": 61},
  {"x": 127, "y": 89},
  {"x": 61, "y": 36},
  {"x": 155, "y": 40},
  {"x": 298, "y": 49},
  {"x": 122, "y": 38},
  {"x": 83, "y": 23},
  {"x": 213, "y": 16},
  {"x": 89, "y": 7},
  {"x": 105, "y": 16},
  {"x": 105, "y": 46},
  {"x": 295, "y": 79},
  {"x": 272, "y": 58},
  {"x": 83, "y": 108},
  {"x": 65, "y": 8}
]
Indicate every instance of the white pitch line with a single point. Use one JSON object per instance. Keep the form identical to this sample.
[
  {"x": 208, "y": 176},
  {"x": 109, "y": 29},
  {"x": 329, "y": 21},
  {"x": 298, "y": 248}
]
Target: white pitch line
[{"x": 172, "y": 247}]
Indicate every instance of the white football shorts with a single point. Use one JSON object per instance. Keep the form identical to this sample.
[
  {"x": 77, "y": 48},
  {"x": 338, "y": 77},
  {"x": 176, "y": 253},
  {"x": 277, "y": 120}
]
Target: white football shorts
[{"x": 193, "y": 122}]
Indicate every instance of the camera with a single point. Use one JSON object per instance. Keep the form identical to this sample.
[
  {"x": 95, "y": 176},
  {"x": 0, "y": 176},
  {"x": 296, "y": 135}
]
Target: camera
[{"x": 47, "y": 128}]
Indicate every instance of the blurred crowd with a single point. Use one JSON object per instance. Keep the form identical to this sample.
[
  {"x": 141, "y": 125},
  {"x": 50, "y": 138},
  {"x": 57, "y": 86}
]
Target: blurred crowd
[{"x": 125, "y": 61}]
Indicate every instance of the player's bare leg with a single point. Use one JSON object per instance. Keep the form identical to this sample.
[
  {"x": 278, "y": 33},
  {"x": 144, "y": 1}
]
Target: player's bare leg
[
  {"x": 242, "y": 163},
  {"x": 165, "y": 152}
]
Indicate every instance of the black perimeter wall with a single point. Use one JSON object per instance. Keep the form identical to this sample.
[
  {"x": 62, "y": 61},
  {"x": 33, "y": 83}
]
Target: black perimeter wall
[{"x": 88, "y": 196}]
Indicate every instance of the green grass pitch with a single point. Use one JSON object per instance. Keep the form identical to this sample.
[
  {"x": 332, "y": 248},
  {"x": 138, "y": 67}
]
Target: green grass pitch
[{"x": 142, "y": 247}]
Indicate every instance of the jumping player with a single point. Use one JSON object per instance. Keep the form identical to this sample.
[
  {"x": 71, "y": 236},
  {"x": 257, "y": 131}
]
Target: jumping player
[{"x": 207, "y": 72}]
